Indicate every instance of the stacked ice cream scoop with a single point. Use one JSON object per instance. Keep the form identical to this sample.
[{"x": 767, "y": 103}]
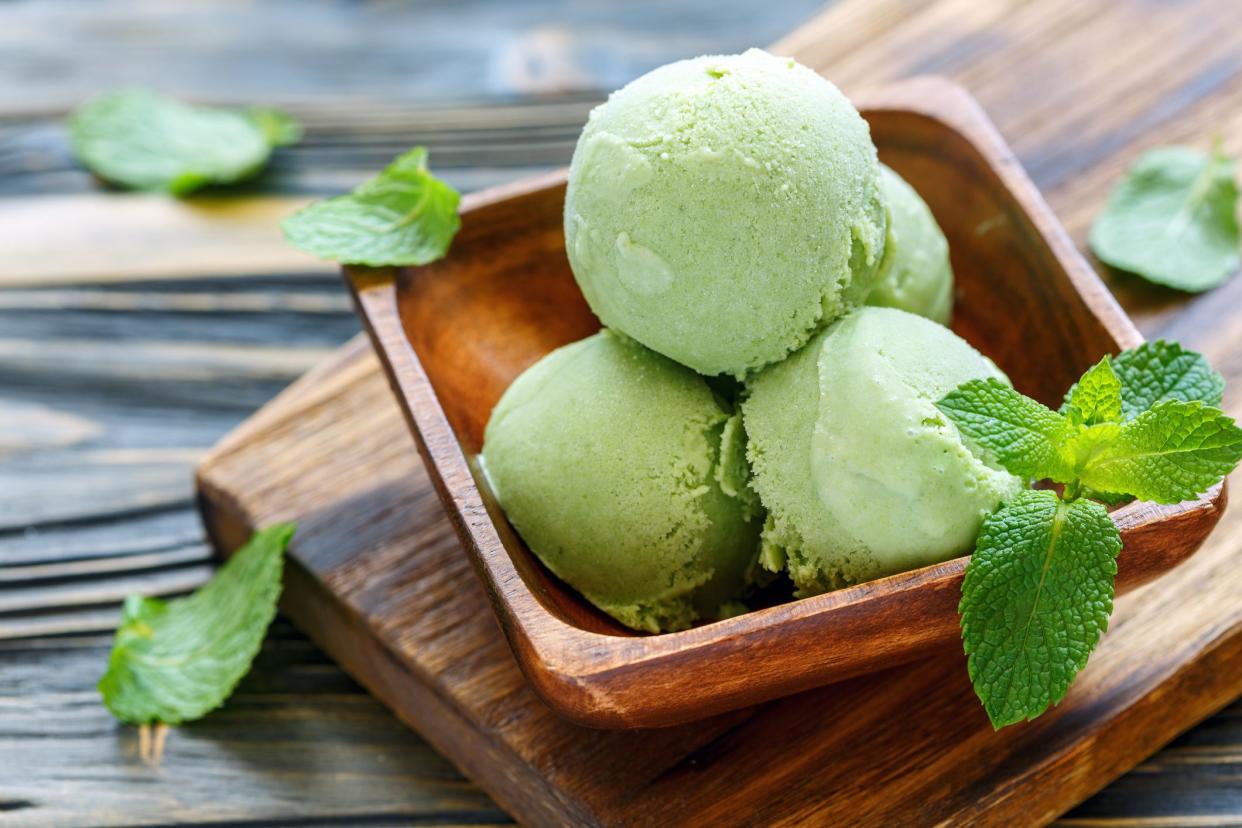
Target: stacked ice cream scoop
[{"x": 743, "y": 412}]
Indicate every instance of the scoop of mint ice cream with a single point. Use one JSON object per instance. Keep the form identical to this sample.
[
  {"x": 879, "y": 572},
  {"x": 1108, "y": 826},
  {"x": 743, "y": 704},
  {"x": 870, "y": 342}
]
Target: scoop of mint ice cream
[
  {"x": 626, "y": 475},
  {"x": 915, "y": 274},
  {"x": 720, "y": 210},
  {"x": 861, "y": 474}
]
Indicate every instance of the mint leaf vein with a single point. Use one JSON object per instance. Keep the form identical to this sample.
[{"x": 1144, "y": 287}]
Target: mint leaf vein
[
  {"x": 1172, "y": 220},
  {"x": 1170, "y": 453}
]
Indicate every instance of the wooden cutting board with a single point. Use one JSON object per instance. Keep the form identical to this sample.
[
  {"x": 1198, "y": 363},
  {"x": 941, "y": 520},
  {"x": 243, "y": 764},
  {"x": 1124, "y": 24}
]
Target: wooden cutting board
[{"x": 378, "y": 580}]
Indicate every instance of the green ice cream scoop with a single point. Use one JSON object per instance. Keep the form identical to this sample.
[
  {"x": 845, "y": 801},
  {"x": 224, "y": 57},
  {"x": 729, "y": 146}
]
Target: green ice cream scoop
[
  {"x": 627, "y": 477},
  {"x": 861, "y": 474},
  {"x": 915, "y": 274},
  {"x": 720, "y": 210}
]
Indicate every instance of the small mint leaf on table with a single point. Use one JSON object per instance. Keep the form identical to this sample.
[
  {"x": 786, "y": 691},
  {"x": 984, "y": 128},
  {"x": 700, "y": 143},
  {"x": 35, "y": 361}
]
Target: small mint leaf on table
[
  {"x": 1024, "y": 436},
  {"x": 145, "y": 141},
  {"x": 1035, "y": 600},
  {"x": 403, "y": 216},
  {"x": 1172, "y": 220},
  {"x": 175, "y": 661},
  {"x": 1172, "y": 452},
  {"x": 1096, "y": 397}
]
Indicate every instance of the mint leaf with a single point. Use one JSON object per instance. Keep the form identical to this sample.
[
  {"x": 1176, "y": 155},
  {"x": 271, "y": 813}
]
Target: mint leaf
[
  {"x": 1172, "y": 220},
  {"x": 1173, "y": 452},
  {"x": 403, "y": 216},
  {"x": 1036, "y": 599},
  {"x": 1096, "y": 397},
  {"x": 1022, "y": 435},
  {"x": 175, "y": 661},
  {"x": 1160, "y": 370},
  {"x": 145, "y": 141}
]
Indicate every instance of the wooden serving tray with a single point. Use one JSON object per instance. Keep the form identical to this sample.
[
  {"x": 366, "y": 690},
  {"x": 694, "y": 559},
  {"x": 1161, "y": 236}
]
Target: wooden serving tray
[{"x": 377, "y": 578}]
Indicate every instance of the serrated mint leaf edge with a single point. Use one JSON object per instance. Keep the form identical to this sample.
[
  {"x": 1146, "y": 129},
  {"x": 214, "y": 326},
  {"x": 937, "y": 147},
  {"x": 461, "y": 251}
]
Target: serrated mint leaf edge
[
  {"x": 1147, "y": 484},
  {"x": 1133, "y": 369},
  {"x": 1096, "y": 397}
]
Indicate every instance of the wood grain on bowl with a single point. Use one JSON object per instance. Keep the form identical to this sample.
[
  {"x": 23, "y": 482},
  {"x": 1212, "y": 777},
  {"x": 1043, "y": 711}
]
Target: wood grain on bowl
[{"x": 454, "y": 334}]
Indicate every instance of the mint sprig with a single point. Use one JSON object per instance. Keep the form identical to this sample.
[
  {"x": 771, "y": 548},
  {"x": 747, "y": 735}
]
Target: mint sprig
[
  {"x": 1039, "y": 588},
  {"x": 144, "y": 141},
  {"x": 403, "y": 216},
  {"x": 175, "y": 661}
]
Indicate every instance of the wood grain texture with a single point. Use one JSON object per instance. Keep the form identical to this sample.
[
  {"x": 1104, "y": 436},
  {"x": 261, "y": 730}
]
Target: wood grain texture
[
  {"x": 147, "y": 236},
  {"x": 298, "y": 744},
  {"x": 1078, "y": 89}
]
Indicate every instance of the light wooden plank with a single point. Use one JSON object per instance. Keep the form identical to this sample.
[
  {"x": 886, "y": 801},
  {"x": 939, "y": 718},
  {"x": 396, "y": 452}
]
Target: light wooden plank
[{"x": 113, "y": 237}]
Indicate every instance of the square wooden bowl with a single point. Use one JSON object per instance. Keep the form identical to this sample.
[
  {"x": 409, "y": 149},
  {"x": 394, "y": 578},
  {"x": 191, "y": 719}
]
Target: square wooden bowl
[{"x": 453, "y": 335}]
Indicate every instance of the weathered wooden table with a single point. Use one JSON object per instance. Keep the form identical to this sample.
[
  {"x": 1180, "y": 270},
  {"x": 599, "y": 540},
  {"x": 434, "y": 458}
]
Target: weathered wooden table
[{"x": 135, "y": 331}]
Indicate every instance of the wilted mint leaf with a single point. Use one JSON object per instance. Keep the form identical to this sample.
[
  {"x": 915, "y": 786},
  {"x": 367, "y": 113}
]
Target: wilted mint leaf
[
  {"x": 1173, "y": 452},
  {"x": 1036, "y": 599},
  {"x": 1172, "y": 220},
  {"x": 1024, "y": 436},
  {"x": 145, "y": 141},
  {"x": 1096, "y": 398},
  {"x": 175, "y": 661},
  {"x": 403, "y": 216}
]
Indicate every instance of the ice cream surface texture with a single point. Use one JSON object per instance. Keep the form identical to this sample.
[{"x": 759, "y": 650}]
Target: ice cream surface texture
[
  {"x": 626, "y": 476},
  {"x": 861, "y": 474},
  {"x": 721, "y": 210},
  {"x": 915, "y": 273}
]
